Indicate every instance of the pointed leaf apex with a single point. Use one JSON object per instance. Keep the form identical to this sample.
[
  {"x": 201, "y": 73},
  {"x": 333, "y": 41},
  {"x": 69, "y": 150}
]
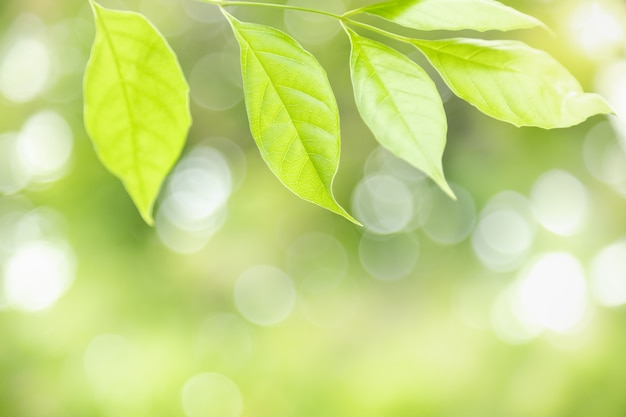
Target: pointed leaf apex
[{"x": 136, "y": 103}]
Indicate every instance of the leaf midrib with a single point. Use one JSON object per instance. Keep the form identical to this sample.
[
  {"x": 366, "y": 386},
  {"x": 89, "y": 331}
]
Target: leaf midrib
[
  {"x": 291, "y": 119},
  {"x": 127, "y": 104},
  {"x": 424, "y": 44},
  {"x": 468, "y": 62},
  {"x": 375, "y": 74}
]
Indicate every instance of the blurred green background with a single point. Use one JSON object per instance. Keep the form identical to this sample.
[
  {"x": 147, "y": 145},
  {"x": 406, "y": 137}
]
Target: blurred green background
[{"x": 245, "y": 301}]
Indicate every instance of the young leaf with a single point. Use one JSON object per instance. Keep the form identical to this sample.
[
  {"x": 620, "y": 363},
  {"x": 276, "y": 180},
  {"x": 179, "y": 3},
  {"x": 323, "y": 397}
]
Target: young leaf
[
  {"x": 292, "y": 112},
  {"x": 400, "y": 104},
  {"x": 136, "y": 103},
  {"x": 511, "y": 81},
  {"x": 480, "y": 15}
]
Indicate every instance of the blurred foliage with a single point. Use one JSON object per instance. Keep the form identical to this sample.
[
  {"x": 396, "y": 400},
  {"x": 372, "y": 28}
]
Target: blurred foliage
[{"x": 244, "y": 300}]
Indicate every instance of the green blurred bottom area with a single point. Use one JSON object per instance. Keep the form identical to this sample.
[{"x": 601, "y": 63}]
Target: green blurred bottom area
[{"x": 245, "y": 301}]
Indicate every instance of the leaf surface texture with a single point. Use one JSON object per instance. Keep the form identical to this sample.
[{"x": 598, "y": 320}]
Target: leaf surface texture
[
  {"x": 136, "y": 103},
  {"x": 511, "y": 81},
  {"x": 292, "y": 112},
  {"x": 400, "y": 104}
]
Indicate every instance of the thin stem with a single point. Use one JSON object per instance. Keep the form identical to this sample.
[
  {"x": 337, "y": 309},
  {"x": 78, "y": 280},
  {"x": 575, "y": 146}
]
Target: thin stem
[
  {"x": 342, "y": 18},
  {"x": 351, "y": 12},
  {"x": 379, "y": 31},
  {"x": 274, "y": 6}
]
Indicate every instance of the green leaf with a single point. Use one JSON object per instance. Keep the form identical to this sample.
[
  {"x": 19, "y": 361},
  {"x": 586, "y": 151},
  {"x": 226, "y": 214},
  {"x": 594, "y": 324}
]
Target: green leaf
[
  {"x": 511, "y": 81},
  {"x": 292, "y": 112},
  {"x": 400, "y": 104},
  {"x": 136, "y": 103},
  {"x": 480, "y": 15}
]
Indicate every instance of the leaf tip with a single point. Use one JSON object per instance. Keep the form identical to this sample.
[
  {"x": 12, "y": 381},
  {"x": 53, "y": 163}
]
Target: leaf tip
[
  {"x": 445, "y": 187},
  {"x": 583, "y": 106},
  {"x": 608, "y": 108},
  {"x": 147, "y": 217},
  {"x": 533, "y": 22},
  {"x": 337, "y": 209},
  {"x": 95, "y": 7},
  {"x": 144, "y": 204},
  {"x": 352, "y": 219}
]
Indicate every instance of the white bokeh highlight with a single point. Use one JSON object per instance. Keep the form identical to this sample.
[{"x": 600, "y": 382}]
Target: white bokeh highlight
[
  {"x": 195, "y": 203},
  {"x": 25, "y": 69},
  {"x": 608, "y": 275},
  {"x": 264, "y": 295},
  {"x": 450, "y": 221},
  {"x": 389, "y": 258},
  {"x": 551, "y": 293},
  {"x": 38, "y": 274},
  {"x": 383, "y": 203},
  {"x": 505, "y": 232},
  {"x": 604, "y": 157},
  {"x": 560, "y": 202},
  {"x": 45, "y": 146},
  {"x": 381, "y": 162},
  {"x": 506, "y": 322},
  {"x": 611, "y": 84},
  {"x": 598, "y": 30}
]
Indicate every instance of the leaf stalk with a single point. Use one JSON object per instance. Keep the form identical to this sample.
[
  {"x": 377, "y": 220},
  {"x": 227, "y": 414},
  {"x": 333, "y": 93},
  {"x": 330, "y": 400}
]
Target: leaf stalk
[{"x": 343, "y": 18}]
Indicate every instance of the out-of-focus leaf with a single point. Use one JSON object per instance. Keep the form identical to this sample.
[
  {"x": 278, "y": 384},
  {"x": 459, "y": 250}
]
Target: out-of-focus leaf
[
  {"x": 511, "y": 81},
  {"x": 480, "y": 15},
  {"x": 292, "y": 112},
  {"x": 400, "y": 104},
  {"x": 136, "y": 103}
]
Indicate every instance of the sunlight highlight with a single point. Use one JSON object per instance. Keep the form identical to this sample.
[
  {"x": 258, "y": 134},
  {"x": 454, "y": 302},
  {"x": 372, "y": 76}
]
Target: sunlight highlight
[
  {"x": 25, "y": 69},
  {"x": 383, "y": 203},
  {"x": 552, "y": 293},
  {"x": 608, "y": 275},
  {"x": 507, "y": 324},
  {"x": 598, "y": 31},
  {"x": 45, "y": 146},
  {"x": 194, "y": 207},
  {"x": 604, "y": 157},
  {"x": 560, "y": 202},
  {"x": 382, "y": 162},
  {"x": 611, "y": 83},
  {"x": 39, "y": 153},
  {"x": 37, "y": 275}
]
